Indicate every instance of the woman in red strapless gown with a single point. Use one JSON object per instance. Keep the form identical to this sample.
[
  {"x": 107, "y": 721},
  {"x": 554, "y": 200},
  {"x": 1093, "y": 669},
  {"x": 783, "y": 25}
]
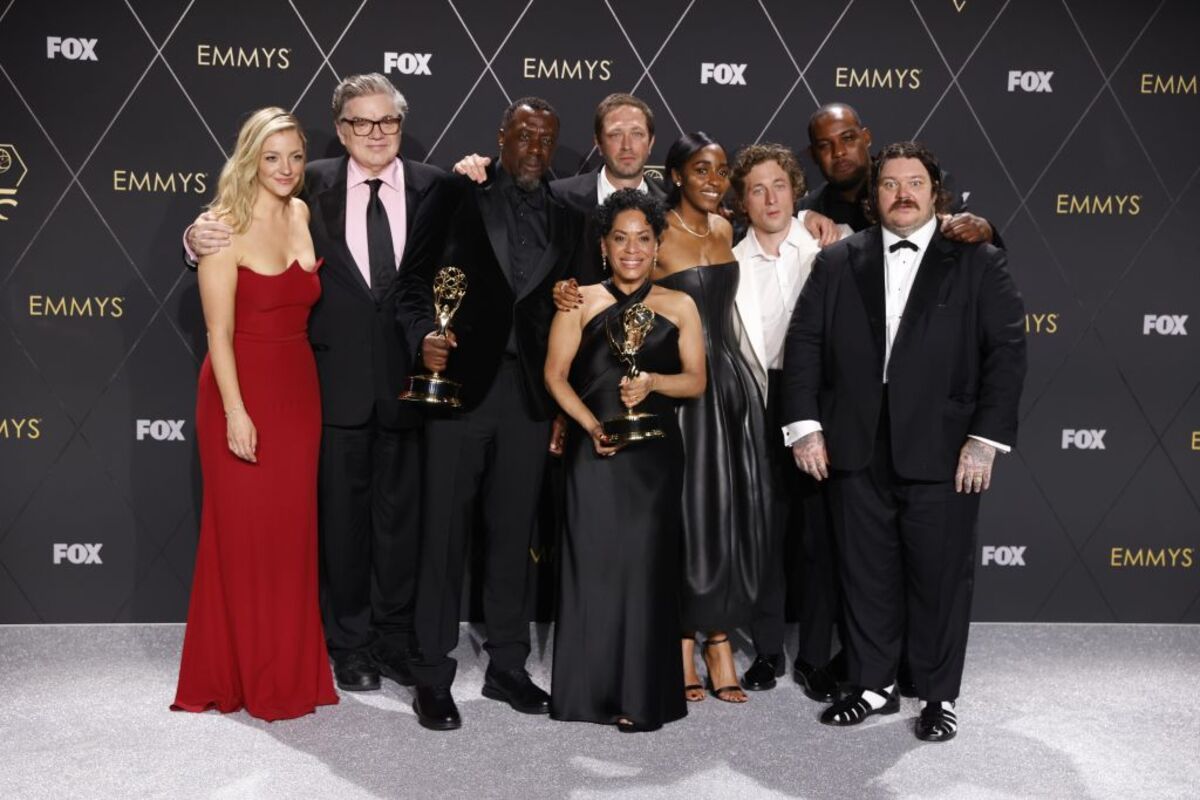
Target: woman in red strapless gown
[{"x": 254, "y": 638}]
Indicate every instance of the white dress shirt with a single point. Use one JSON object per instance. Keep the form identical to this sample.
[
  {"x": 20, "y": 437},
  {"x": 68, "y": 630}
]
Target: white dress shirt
[
  {"x": 767, "y": 294},
  {"x": 604, "y": 188},
  {"x": 899, "y": 273}
]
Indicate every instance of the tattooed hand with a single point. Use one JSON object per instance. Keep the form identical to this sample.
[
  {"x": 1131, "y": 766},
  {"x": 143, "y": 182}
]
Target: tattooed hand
[
  {"x": 974, "y": 472},
  {"x": 810, "y": 456}
]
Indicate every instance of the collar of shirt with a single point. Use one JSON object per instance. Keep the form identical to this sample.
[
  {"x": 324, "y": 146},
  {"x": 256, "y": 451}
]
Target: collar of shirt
[
  {"x": 793, "y": 240},
  {"x": 392, "y": 175},
  {"x": 604, "y": 186},
  {"x": 920, "y": 237}
]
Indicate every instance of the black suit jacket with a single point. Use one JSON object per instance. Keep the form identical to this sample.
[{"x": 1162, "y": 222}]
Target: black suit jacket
[
  {"x": 957, "y": 363},
  {"x": 362, "y": 356},
  {"x": 578, "y": 193},
  {"x": 466, "y": 227}
]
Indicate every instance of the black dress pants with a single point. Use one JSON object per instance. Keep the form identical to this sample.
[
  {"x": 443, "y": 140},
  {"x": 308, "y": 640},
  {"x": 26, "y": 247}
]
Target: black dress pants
[
  {"x": 494, "y": 456},
  {"x": 906, "y": 557},
  {"x": 804, "y": 566},
  {"x": 369, "y": 493}
]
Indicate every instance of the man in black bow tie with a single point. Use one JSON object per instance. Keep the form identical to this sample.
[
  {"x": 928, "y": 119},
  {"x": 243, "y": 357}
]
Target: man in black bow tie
[{"x": 903, "y": 370}]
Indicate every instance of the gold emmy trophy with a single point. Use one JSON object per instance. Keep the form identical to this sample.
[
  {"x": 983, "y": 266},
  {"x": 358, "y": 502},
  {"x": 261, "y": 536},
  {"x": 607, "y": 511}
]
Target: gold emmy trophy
[
  {"x": 449, "y": 286},
  {"x": 632, "y": 426}
]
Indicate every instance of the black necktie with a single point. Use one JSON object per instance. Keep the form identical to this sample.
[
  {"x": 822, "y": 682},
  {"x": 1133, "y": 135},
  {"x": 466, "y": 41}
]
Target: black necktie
[
  {"x": 380, "y": 252},
  {"x": 903, "y": 243}
]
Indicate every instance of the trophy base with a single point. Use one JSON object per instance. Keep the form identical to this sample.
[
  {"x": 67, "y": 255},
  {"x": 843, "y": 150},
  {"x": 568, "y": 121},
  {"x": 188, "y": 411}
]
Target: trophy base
[
  {"x": 632, "y": 427},
  {"x": 432, "y": 390}
]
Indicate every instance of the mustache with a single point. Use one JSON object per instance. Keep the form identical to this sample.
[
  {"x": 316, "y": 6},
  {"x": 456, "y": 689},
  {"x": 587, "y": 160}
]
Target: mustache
[{"x": 903, "y": 204}]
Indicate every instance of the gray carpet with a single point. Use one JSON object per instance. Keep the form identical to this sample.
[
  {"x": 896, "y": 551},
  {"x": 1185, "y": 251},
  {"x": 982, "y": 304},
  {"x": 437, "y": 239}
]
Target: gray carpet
[{"x": 1064, "y": 711}]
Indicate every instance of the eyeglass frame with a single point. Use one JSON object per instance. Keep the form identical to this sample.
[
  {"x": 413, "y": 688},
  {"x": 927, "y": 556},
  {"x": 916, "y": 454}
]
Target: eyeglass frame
[{"x": 371, "y": 124}]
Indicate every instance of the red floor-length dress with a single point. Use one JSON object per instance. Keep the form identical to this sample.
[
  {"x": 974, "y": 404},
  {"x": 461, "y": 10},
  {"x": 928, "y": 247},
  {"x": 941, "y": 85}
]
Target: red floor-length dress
[{"x": 254, "y": 638}]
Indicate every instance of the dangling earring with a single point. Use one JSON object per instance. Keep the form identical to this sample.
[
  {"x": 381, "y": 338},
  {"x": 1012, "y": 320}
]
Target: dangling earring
[{"x": 604, "y": 262}]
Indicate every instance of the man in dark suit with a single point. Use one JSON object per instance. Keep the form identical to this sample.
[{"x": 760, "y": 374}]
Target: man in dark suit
[
  {"x": 362, "y": 207},
  {"x": 512, "y": 238},
  {"x": 624, "y": 134},
  {"x": 840, "y": 145},
  {"x": 906, "y": 353}
]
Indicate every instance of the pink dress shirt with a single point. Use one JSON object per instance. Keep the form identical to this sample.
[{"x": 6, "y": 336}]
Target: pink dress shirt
[{"x": 358, "y": 194}]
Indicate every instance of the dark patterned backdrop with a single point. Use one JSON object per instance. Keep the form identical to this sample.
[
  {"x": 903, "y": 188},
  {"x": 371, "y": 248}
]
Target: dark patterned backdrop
[{"x": 1070, "y": 122}]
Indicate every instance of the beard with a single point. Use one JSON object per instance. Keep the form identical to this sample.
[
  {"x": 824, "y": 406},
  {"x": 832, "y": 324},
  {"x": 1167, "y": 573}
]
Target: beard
[
  {"x": 851, "y": 181},
  {"x": 527, "y": 183}
]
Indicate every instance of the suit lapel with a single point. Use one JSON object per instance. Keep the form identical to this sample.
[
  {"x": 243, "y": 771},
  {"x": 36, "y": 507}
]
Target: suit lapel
[
  {"x": 550, "y": 254},
  {"x": 867, "y": 264},
  {"x": 491, "y": 208},
  {"x": 936, "y": 265},
  {"x": 332, "y": 202}
]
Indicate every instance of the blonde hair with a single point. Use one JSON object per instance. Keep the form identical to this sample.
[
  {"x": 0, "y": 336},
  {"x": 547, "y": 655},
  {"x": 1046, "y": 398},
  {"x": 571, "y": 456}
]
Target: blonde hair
[{"x": 237, "y": 188}]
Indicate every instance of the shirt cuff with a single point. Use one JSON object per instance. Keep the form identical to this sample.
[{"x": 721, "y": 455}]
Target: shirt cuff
[
  {"x": 188, "y": 253},
  {"x": 1003, "y": 448},
  {"x": 798, "y": 430}
]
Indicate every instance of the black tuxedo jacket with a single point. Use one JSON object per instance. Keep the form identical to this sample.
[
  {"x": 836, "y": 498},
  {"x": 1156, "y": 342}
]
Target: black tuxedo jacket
[
  {"x": 362, "y": 356},
  {"x": 466, "y": 227},
  {"x": 578, "y": 193},
  {"x": 957, "y": 363}
]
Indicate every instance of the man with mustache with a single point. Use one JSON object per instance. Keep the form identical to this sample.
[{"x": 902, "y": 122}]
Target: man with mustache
[
  {"x": 484, "y": 461},
  {"x": 903, "y": 369},
  {"x": 841, "y": 147}
]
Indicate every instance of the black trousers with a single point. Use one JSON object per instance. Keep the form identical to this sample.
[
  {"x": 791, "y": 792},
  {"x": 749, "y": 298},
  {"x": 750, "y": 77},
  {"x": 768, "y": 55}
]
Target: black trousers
[
  {"x": 906, "y": 558},
  {"x": 369, "y": 494},
  {"x": 805, "y": 566},
  {"x": 493, "y": 456}
]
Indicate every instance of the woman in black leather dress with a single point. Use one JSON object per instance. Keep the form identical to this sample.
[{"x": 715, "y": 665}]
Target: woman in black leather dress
[
  {"x": 727, "y": 531},
  {"x": 618, "y": 608}
]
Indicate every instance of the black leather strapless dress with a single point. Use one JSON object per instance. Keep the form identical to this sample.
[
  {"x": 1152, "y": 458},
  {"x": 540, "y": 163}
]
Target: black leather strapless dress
[{"x": 727, "y": 530}]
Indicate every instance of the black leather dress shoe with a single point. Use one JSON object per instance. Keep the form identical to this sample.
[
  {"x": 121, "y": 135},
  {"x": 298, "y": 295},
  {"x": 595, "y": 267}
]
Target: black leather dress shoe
[
  {"x": 435, "y": 708},
  {"x": 394, "y": 664},
  {"x": 818, "y": 684},
  {"x": 937, "y": 724},
  {"x": 762, "y": 673},
  {"x": 515, "y": 688},
  {"x": 854, "y": 708},
  {"x": 356, "y": 672}
]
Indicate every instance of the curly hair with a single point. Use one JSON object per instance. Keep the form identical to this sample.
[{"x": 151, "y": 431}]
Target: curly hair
[
  {"x": 941, "y": 198},
  {"x": 750, "y": 157},
  {"x": 631, "y": 200}
]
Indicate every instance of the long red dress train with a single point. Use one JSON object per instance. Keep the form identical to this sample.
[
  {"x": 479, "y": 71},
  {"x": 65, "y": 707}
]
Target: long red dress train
[{"x": 254, "y": 638}]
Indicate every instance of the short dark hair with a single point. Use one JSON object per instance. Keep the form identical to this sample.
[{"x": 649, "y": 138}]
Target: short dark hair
[
  {"x": 631, "y": 200},
  {"x": 941, "y": 198},
  {"x": 616, "y": 100},
  {"x": 681, "y": 150},
  {"x": 535, "y": 103},
  {"x": 750, "y": 157},
  {"x": 826, "y": 110}
]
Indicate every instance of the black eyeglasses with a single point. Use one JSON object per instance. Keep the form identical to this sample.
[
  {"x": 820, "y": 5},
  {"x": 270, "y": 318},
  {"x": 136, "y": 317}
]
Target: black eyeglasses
[{"x": 363, "y": 127}]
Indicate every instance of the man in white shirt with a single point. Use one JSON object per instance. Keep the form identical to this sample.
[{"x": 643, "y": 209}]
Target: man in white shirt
[
  {"x": 775, "y": 258},
  {"x": 904, "y": 364}
]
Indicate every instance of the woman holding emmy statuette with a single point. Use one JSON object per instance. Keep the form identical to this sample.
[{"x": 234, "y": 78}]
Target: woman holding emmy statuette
[
  {"x": 254, "y": 638},
  {"x": 727, "y": 530},
  {"x": 618, "y": 609}
]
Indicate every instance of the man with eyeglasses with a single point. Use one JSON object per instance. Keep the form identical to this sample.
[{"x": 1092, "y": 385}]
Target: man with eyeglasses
[
  {"x": 362, "y": 206},
  {"x": 841, "y": 147},
  {"x": 903, "y": 370}
]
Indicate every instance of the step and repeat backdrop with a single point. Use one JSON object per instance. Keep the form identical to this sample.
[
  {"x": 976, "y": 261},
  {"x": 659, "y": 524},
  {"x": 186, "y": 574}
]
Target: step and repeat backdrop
[{"x": 1069, "y": 124}]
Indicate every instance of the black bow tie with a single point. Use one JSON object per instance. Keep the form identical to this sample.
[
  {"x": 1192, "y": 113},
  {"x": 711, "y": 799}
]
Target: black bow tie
[{"x": 900, "y": 245}]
